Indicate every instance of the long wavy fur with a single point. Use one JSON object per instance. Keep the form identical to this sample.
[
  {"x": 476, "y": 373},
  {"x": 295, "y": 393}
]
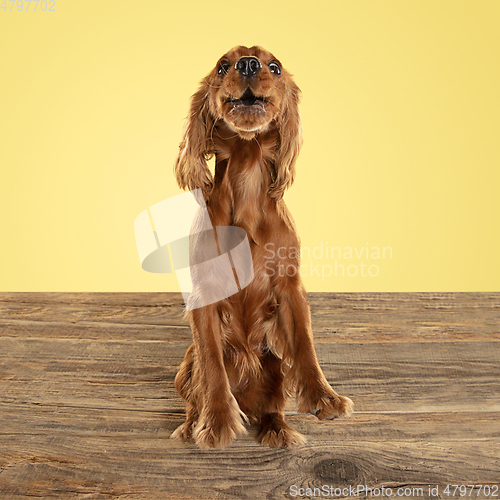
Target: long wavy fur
[{"x": 250, "y": 349}]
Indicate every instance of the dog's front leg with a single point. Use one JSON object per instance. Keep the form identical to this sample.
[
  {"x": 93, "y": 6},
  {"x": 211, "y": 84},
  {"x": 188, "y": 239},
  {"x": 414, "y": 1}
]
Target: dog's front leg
[
  {"x": 220, "y": 418},
  {"x": 314, "y": 393}
]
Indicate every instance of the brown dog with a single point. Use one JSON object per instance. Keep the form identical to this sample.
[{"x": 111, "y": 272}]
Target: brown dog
[{"x": 252, "y": 348}]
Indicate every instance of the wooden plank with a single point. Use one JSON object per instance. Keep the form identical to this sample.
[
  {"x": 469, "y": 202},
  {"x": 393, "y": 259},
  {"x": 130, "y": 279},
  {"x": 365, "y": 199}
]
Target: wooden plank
[
  {"x": 93, "y": 309},
  {"x": 149, "y": 299},
  {"x": 363, "y": 427},
  {"x": 461, "y": 301},
  {"x": 335, "y": 317},
  {"x": 128, "y": 453},
  {"x": 378, "y": 377}
]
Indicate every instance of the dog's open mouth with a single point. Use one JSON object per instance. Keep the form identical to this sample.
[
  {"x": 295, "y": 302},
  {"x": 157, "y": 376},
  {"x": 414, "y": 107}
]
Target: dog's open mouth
[{"x": 248, "y": 99}]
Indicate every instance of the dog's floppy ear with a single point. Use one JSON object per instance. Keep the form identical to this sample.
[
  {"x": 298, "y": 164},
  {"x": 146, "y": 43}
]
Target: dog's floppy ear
[
  {"x": 290, "y": 141},
  {"x": 196, "y": 148}
]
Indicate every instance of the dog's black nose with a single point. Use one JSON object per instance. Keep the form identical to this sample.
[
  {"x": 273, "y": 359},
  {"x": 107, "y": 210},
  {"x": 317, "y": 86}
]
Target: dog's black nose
[{"x": 248, "y": 66}]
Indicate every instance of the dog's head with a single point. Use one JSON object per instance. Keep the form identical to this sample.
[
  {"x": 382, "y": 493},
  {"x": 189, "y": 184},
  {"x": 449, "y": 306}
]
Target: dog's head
[
  {"x": 251, "y": 92},
  {"x": 247, "y": 89}
]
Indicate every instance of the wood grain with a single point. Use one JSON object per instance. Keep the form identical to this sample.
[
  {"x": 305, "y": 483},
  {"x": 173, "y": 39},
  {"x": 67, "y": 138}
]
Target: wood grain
[{"x": 87, "y": 402}]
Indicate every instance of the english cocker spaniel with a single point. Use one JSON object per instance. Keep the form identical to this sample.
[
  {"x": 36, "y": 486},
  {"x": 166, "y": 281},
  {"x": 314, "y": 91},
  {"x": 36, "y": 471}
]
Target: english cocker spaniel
[{"x": 252, "y": 349}]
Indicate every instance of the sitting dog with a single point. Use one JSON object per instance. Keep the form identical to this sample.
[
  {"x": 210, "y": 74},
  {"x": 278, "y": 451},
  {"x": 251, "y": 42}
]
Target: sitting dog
[{"x": 253, "y": 348}]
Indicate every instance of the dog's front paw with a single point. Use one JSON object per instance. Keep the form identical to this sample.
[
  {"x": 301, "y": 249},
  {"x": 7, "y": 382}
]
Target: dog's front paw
[
  {"x": 330, "y": 407},
  {"x": 217, "y": 432},
  {"x": 183, "y": 433},
  {"x": 218, "y": 429},
  {"x": 327, "y": 405},
  {"x": 277, "y": 434}
]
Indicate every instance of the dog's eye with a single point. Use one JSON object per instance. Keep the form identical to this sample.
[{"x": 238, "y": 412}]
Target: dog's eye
[
  {"x": 223, "y": 68},
  {"x": 275, "y": 68}
]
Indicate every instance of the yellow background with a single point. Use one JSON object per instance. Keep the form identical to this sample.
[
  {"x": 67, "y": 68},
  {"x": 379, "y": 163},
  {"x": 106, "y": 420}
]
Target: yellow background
[{"x": 401, "y": 119}]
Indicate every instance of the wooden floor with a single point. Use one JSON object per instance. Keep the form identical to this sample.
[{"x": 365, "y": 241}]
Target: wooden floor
[{"x": 87, "y": 402}]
